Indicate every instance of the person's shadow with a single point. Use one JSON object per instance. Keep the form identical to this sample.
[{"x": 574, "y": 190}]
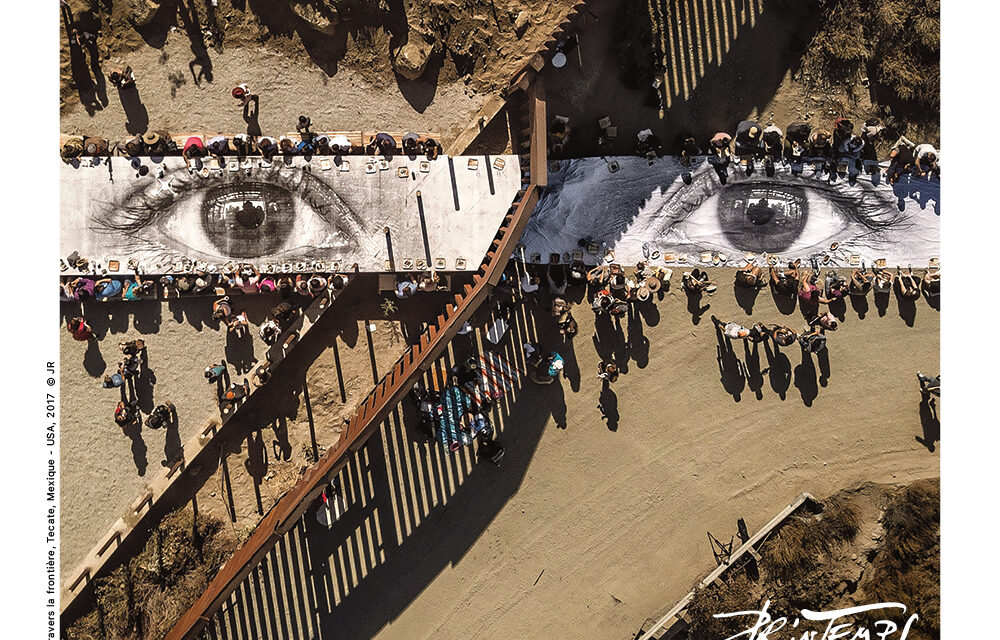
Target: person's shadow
[
  {"x": 250, "y": 116},
  {"x": 881, "y": 302},
  {"x": 779, "y": 370},
  {"x": 745, "y": 297},
  {"x": 730, "y": 368},
  {"x": 137, "y": 118},
  {"x": 281, "y": 446},
  {"x": 823, "y": 359},
  {"x": 694, "y": 306},
  {"x": 134, "y": 433},
  {"x": 805, "y": 379},
  {"x": 239, "y": 351},
  {"x": 860, "y": 306},
  {"x": 929, "y": 422},
  {"x": 608, "y": 404},
  {"x": 173, "y": 449},
  {"x": 751, "y": 364},
  {"x": 256, "y": 462},
  {"x": 907, "y": 309},
  {"x": 93, "y": 361},
  {"x": 638, "y": 343}
]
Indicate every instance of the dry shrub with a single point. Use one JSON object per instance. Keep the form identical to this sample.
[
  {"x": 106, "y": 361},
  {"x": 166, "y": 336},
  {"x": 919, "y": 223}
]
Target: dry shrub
[
  {"x": 906, "y": 567},
  {"x": 144, "y": 597},
  {"x": 722, "y": 596},
  {"x": 794, "y": 550},
  {"x": 841, "y": 521},
  {"x": 896, "y": 44}
]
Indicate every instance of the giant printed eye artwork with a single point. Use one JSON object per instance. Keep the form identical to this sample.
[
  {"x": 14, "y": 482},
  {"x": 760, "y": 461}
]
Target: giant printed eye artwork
[
  {"x": 260, "y": 214},
  {"x": 790, "y": 215},
  {"x": 591, "y": 207}
]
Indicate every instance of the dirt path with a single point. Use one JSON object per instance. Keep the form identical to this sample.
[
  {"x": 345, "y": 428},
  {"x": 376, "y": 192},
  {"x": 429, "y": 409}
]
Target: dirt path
[{"x": 591, "y": 529}]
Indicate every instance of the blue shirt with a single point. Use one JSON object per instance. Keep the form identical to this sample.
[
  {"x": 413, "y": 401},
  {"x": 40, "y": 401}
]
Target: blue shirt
[{"x": 111, "y": 289}]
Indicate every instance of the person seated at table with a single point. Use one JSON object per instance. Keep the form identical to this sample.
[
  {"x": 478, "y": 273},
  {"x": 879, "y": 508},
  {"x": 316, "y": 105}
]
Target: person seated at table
[
  {"x": 429, "y": 281},
  {"x": 882, "y": 281},
  {"x": 697, "y": 281},
  {"x": 926, "y": 163},
  {"x": 286, "y": 146},
  {"x": 133, "y": 147},
  {"x": 901, "y": 160},
  {"x": 860, "y": 283},
  {"x": 82, "y": 288},
  {"x": 218, "y": 146},
  {"x": 406, "y": 287},
  {"x": 317, "y": 284},
  {"x": 412, "y": 145},
  {"x": 267, "y": 146},
  {"x": 810, "y": 295},
  {"x": 338, "y": 282},
  {"x": 194, "y": 149},
  {"x": 748, "y": 138},
  {"x": 242, "y": 145},
  {"x": 907, "y": 285},
  {"x": 248, "y": 279},
  {"x": 750, "y": 276},
  {"x": 796, "y": 140},
  {"x": 385, "y": 144},
  {"x": 599, "y": 275},
  {"x": 931, "y": 283},
  {"x": 819, "y": 145},
  {"x": 432, "y": 148},
  {"x": 107, "y": 289},
  {"x": 138, "y": 289},
  {"x": 785, "y": 281},
  {"x": 772, "y": 142},
  {"x": 843, "y": 129},
  {"x": 835, "y": 286},
  {"x": 689, "y": 148}
]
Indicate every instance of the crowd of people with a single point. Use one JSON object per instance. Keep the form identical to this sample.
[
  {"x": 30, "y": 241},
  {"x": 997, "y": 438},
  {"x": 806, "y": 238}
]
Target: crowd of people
[
  {"x": 233, "y": 279},
  {"x": 304, "y": 142},
  {"x": 835, "y": 148}
]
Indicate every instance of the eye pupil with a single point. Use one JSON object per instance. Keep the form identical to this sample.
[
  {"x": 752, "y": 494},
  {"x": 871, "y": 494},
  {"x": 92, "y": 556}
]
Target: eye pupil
[
  {"x": 248, "y": 219},
  {"x": 762, "y": 217},
  {"x": 251, "y": 215}
]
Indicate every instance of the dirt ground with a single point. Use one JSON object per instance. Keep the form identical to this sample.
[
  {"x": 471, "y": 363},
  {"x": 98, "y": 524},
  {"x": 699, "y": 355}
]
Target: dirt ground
[
  {"x": 724, "y": 63},
  {"x": 590, "y": 529},
  {"x": 103, "y": 471},
  {"x": 190, "y": 56}
]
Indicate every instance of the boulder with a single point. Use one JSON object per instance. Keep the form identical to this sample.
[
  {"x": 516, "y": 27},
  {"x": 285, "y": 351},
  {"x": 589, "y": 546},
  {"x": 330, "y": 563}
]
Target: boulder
[
  {"x": 142, "y": 11},
  {"x": 411, "y": 58},
  {"x": 322, "y": 19},
  {"x": 521, "y": 22}
]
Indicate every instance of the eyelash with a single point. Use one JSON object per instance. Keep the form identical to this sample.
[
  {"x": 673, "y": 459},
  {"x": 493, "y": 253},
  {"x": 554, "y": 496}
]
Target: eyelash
[{"x": 860, "y": 210}]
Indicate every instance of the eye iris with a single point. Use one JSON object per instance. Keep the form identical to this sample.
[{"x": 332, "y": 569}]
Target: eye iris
[
  {"x": 761, "y": 218},
  {"x": 247, "y": 219}
]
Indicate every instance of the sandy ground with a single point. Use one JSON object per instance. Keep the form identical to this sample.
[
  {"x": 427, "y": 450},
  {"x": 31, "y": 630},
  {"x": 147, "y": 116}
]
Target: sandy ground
[
  {"x": 343, "y": 102},
  {"x": 103, "y": 472},
  {"x": 588, "y": 531},
  {"x": 190, "y": 57}
]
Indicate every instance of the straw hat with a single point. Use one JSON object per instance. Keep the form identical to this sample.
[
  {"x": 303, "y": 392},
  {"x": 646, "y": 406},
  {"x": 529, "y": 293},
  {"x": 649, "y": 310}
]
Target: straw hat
[
  {"x": 652, "y": 283},
  {"x": 642, "y": 293},
  {"x": 151, "y": 138}
]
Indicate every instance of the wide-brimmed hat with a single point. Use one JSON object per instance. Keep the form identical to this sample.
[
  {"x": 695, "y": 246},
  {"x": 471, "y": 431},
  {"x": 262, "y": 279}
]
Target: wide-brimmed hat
[
  {"x": 151, "y": 137},
  {"x": 642, "y": 293},
  {"x": 652, "y": 283}
]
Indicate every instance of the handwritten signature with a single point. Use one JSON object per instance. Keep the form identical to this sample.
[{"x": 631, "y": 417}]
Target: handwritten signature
[{"x": 766, "y": 627}]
